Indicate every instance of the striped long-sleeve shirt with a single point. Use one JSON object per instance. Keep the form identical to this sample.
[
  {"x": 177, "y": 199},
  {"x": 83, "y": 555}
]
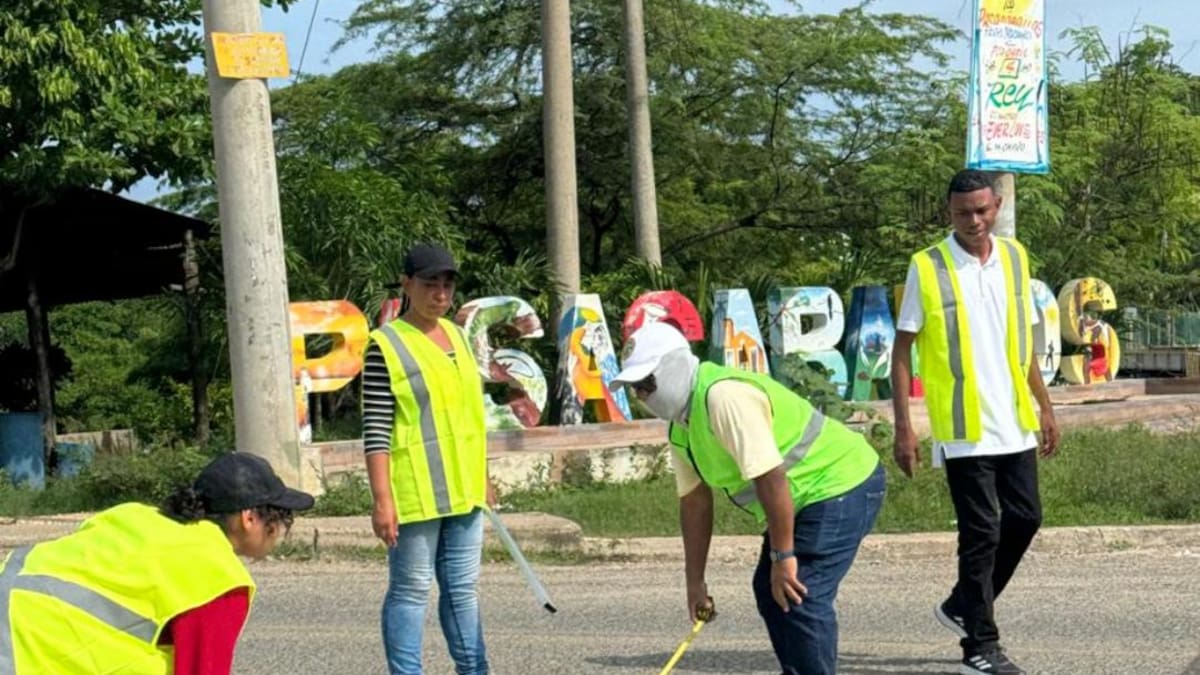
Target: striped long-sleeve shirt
[{"x": 379, "y": 405}]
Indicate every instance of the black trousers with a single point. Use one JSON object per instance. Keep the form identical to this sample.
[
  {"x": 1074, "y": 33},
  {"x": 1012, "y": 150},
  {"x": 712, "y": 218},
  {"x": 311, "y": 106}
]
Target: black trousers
[{"x": 999, "y": 511}]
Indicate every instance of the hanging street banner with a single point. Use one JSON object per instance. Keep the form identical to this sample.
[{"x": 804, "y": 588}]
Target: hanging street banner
[{"x": 1008, "y": 117}]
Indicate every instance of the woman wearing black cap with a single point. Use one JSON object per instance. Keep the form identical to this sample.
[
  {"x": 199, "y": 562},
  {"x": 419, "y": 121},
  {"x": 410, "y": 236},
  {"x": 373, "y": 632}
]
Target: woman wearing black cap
[
  {"x": 143, "y": 590},
  {"x": 426, "y": 453}
]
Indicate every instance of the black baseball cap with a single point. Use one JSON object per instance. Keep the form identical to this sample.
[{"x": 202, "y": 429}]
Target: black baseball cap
[
  {"x": 238, "y": 481},
  {"x": 426, "y": 261}
]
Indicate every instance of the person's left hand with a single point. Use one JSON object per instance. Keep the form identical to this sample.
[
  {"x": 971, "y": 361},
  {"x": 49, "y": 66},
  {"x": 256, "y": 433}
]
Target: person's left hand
[
  {"x": 1049, "y": 440},
  {"x": 491, "y": 495},
  {"x": 785, "y": 586}
]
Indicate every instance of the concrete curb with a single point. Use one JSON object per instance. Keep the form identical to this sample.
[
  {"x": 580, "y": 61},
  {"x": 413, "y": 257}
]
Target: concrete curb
[
  {"x": 535, "y": 532},
  {"x": 1055, "y": 541},
  {"x": 542, "y": 533}
]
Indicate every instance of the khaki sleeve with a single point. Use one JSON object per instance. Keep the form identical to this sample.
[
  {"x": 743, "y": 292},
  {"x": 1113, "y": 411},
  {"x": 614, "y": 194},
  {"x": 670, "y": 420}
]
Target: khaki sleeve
[
  {"x": 686, "y": 479},
  {"x": 740, "y": 416}
]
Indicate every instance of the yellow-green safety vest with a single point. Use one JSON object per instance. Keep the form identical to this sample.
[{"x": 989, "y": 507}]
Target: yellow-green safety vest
[
  {"x": 439, "y": 436},
  {"x": 97, "y": 600},
  {"x": 947, "y": 352},
  {"x": 823, "y": 458}
]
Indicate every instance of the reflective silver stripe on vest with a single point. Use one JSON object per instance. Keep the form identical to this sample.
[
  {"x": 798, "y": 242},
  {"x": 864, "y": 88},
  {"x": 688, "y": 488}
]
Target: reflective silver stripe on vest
[
  {"x": 71, "y": 593},
  {"x": 1018, "y": 286},
  {"x": 958, "y": 409},
  {"x": 815, "y": 424},
  {"x": 16, "y": 561},
  {"x": 429, "y": 435}
]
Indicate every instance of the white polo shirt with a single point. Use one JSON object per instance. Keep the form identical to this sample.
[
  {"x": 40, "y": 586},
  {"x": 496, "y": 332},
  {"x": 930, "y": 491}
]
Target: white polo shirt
[{"x": 985, "y": 294}]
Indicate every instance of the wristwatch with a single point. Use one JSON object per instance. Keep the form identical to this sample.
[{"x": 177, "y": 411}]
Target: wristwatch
[{"x": 776, "y": 556}]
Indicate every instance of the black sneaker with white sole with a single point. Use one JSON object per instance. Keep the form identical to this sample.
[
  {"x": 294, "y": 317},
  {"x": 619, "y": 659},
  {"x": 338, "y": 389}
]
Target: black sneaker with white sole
[
  {"x": 992, "y": 662},
  {"x": 949, "y": 617}
]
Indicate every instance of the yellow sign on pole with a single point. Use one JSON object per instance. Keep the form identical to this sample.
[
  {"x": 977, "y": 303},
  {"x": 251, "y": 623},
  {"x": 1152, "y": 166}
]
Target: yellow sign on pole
[{"x": 246, "y": 56}]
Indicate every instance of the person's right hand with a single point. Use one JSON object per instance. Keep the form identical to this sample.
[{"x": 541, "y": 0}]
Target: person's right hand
[
  {"x": 383, "y": 521},
  {"x": 906, "y": 451},
  {"x": 699, "y": 604}
]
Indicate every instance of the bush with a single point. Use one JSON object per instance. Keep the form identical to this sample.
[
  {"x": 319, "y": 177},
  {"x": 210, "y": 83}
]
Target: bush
[
  {"x": 811, "y": 380},
  {"x": 145, "y": 477},
  {"x": 349, "y": 495},
  {"x": 13, "y": 500}
]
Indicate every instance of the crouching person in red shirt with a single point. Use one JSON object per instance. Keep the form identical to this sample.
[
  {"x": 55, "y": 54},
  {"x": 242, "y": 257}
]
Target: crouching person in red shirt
[{"x": 139, "y": 589}]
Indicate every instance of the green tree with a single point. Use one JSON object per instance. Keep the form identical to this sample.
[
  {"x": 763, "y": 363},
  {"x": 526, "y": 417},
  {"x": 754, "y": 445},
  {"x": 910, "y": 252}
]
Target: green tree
[
  {"x": 98, "y": 94},
  {"x": 1122, "y": 200},
  {"x": 348, "y": 213},
  {"x": 129, "y": 369},
  {"x": 771, "y": 132}
]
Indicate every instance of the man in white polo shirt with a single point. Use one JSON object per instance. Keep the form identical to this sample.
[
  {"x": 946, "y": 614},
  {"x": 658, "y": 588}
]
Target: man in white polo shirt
[{"x": 969, "y": 309}]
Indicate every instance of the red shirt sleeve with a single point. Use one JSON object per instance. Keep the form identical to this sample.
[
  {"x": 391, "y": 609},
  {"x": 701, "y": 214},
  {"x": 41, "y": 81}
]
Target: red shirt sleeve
[{"x": 205, "y": 637}]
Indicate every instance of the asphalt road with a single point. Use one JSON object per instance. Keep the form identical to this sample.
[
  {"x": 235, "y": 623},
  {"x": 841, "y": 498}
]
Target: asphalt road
[{"x": 1120, "y": 613}]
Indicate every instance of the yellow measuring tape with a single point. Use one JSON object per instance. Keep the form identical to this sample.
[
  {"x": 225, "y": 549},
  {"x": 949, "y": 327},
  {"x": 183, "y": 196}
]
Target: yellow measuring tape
[{"x": 703, "y": 614}]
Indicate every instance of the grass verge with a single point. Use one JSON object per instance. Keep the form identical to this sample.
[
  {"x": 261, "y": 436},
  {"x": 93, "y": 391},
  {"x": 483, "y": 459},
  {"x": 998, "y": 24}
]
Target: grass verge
[
  {"x": 1125, "y": 476},
  {"x": 1100, "y": 477}
]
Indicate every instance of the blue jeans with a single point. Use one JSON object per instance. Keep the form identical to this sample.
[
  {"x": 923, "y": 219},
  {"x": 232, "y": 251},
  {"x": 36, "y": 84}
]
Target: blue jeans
[
  {"x": 449, "y": 548},
  {"x": 827, "y": 535}
]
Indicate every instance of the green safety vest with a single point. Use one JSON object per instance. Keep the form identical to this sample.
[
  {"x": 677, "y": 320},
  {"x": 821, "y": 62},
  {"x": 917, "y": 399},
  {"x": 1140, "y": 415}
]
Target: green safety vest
[
  {"x": 439, "y": 437},
  {"x": 947, "y": 353},
  {"x": 823, "y": 458},
  {"x": 97, "y": 600}
]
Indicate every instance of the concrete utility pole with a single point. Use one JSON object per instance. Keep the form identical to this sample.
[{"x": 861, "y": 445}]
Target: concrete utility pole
[
  {"x": 1006, "y": 221},
  {"x": 645, "y": 209},
  {"x": 256, "y": 297},
  {"x": 558, "y": 137}
]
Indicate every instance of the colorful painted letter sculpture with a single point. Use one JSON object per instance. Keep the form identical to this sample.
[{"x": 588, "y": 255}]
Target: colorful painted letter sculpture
[
  {"x": 736, "y": 340},
  {"x": 868, "y": 344},
  {"x": 346, "y": 326},
  {"x": 389, "y": 310},
  {"x": 587, "y": 363},
  {"x": 808, "y": 322},
  {"x": 526, "y": 398},
  {"x": 1047, "y": 332},
  {"x": 1081, "y": 301},
  {"x": 669, "y": 306}
]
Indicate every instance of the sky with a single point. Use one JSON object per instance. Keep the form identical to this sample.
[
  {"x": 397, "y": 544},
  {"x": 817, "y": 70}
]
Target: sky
[{"x": 1115, "y": 18}]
